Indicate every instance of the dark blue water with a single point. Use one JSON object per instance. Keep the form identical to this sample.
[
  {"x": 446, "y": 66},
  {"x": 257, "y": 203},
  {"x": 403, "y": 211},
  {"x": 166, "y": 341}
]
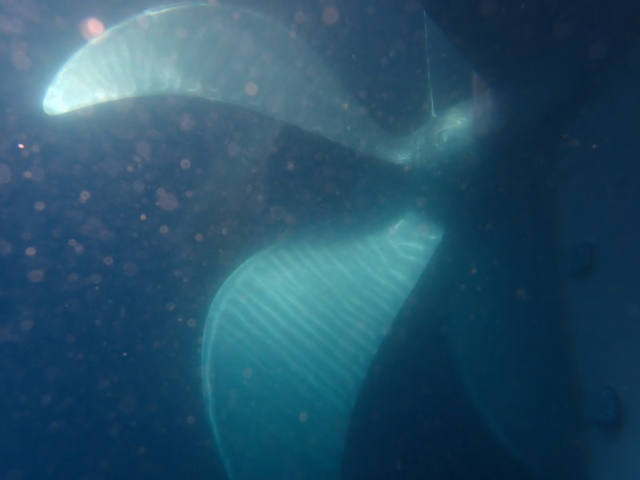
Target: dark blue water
[
  {"x": 118, "y": 225},
  {"x": 103, "y": 293}
]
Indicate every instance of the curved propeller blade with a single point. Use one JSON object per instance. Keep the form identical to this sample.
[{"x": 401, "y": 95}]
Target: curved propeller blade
[
  {"x": 226, "y": 54},
  {"x": 288, "y": 341}
]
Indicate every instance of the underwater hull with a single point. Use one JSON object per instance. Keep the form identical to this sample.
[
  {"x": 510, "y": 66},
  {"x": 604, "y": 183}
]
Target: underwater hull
[{"x": 599, "y": 200}]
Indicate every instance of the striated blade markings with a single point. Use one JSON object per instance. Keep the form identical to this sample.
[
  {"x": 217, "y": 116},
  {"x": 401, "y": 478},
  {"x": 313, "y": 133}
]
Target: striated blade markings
[{"x": 306, "y": 318}]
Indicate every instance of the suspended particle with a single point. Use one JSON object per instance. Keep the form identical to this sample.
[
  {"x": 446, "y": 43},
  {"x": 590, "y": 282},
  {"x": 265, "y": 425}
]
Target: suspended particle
[
  {"x": 35, "y": 276},
  {"x": 251, "y": 89},
  {"x": 330, "y": 15},
  {"x": 91, "y": 28}
]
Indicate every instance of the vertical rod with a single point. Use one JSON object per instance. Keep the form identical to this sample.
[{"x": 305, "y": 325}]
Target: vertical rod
[{"x": 426, "y": 53}]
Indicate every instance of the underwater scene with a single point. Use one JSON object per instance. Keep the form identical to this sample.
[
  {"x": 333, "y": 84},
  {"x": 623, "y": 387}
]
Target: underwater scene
[{"x": 320, "y": 240}]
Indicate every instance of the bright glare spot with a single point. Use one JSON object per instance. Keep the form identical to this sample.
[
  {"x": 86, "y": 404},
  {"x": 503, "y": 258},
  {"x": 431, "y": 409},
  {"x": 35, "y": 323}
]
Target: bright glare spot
[
  {"x": 91, "y": 28},
  {"x": 251, "y": 89},
  {"x": 143, "y": 217},
  {"x": 30, "y": 251},
  {"x": 21, "y": 146},
  {"x": 330, "y": 15}
]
